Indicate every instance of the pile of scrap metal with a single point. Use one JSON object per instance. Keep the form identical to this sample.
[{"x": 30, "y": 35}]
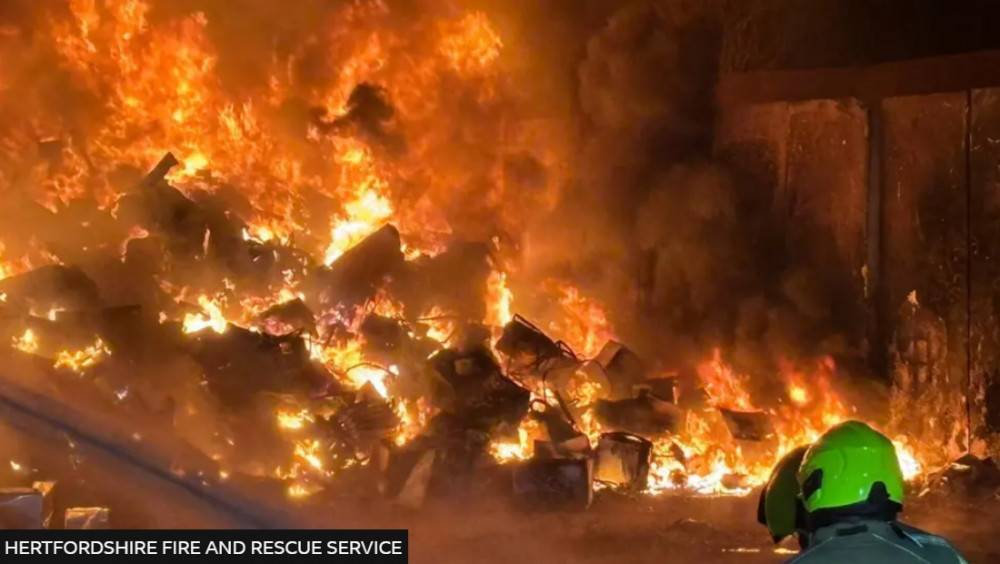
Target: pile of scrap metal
[
  {"x": 566, "y": 466},
  {"x": 212, "y": 395},
  {"x": 102, "y": 330},
  {"x": 631, "y": 410}
]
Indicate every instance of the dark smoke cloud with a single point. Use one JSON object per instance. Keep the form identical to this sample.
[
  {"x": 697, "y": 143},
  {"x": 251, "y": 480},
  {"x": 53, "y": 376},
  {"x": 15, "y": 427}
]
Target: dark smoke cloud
[
  {"x": 644, "y": 87},
  {"x": 684, "y": 249}
]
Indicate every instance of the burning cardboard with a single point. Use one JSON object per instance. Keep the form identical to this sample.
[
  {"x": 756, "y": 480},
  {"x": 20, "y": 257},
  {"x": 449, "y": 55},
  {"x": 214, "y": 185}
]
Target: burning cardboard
[
  {"x": 183, "y": 223},
  {"x": 157, "y": 174},
  {"x": 622, "y": 460},
  {"x": 554, "y": 484},
  {"x": 66, "y": 332}
]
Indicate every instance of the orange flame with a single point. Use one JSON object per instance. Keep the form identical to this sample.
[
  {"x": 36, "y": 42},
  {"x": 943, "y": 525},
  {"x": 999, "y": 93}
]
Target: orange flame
[
  {"x": 27, "y": 342},
  {"x": 80, "y": 360},
  {"x": 471, "y": 44},
  {"x": 583, "y": 325},
  {"x": 210, "y": 317}
]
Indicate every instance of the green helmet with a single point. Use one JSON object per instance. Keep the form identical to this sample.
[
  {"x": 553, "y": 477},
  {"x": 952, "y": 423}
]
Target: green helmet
[
  {"x": 851, "y": 469},
  {"x": 780, "y": 508}
]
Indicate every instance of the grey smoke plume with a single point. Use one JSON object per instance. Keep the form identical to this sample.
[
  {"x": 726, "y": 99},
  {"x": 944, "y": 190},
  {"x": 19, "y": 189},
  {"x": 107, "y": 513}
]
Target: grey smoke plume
[{"x": 688, "y": 252}]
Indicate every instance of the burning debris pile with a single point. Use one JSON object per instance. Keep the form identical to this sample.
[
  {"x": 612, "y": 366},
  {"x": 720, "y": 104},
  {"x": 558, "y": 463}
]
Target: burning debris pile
[
  {"x": 362, "y": 398},
  {"x": 331, "y": 389},
  {"x": 315, "y": 298}
]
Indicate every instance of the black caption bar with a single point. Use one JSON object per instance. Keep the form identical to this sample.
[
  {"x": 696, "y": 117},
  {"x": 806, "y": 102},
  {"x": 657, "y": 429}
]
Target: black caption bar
[{"x": 361, "y": 546}]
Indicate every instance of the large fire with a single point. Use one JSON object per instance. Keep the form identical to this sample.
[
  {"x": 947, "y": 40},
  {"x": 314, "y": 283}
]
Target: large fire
[{"x": 318, "y": 162}]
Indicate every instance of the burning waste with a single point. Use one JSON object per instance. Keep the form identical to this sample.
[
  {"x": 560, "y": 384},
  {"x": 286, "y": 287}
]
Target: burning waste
[{"x": 293, "y": 286}]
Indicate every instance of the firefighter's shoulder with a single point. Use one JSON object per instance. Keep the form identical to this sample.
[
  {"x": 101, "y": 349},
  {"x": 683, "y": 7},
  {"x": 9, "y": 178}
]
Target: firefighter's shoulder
[
  {"x": 940, "y": 547},
  {"x": 878, "y": 543}
]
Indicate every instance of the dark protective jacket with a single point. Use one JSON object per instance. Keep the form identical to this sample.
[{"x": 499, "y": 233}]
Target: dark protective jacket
[{"x": 876, "y": 542}]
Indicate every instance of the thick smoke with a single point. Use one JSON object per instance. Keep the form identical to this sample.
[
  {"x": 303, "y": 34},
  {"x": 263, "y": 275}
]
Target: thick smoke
[{"x": 689, "y": 252}]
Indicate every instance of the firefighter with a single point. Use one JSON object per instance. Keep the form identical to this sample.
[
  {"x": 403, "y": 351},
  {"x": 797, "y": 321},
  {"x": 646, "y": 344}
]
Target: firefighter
[
  {"x": 780, "y": 509},
  {"x": 852, "y": 490}
]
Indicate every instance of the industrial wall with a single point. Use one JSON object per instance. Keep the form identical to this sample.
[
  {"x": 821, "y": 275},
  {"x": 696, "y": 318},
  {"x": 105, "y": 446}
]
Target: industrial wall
[{"x": 896, "y": 195}]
